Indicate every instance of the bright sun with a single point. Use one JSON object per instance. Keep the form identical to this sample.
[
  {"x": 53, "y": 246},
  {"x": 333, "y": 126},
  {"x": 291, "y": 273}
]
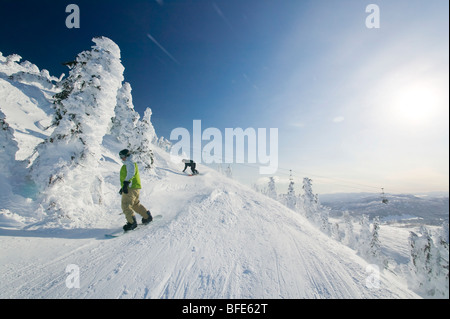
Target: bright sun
[{"x": 415, "y": 105}]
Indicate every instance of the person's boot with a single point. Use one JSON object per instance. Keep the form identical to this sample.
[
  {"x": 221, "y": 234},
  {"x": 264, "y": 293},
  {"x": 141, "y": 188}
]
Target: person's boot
[
  {"x": 147, "y": 220},
  {"x": 130, "y": 226}
]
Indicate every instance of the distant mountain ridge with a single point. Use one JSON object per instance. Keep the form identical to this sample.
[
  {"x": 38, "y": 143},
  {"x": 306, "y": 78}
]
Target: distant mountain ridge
[{"x": 428, "y": 208}]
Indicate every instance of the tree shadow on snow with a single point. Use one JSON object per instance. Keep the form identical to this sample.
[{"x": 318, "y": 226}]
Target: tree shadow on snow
[
  {"x": 170, "y": 171},
  {"x": 77, "y": 233}
]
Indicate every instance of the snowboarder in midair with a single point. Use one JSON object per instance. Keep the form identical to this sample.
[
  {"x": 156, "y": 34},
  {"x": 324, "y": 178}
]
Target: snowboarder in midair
[
  {"x": 191, "y": 164},
  {"x": 130, "y": 187}
]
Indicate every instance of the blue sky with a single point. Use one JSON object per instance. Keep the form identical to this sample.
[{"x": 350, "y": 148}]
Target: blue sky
[{"x": 357, "y": 109}]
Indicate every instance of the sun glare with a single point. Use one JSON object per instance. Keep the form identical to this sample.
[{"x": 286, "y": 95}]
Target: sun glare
[{"x": 415, "y": 105}]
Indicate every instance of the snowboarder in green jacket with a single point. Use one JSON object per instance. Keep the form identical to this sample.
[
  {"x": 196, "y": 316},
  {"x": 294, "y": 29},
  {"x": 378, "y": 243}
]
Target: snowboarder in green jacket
[{"x": 130, "y": 182}]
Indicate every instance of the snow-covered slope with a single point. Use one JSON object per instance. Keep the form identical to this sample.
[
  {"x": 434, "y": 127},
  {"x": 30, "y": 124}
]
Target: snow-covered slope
[{"x": 217, "y": 238}]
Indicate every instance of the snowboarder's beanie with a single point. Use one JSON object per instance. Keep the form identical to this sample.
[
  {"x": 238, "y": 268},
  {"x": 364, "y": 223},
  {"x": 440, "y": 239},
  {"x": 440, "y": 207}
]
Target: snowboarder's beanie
[{"x": 124, "y": 153}]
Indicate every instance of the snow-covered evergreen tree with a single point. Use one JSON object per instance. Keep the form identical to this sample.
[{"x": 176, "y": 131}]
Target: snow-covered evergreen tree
[
  {"x": 310, "y": 200},
  {"x": 138, "y": 136},
  {"x": 229, "y": 172},
  {"x": 369, "y": 246},
  {"x": 164, "y": 144},
  {"x": 26, "y": 72},
  {"x": 444, "y": 232},
  {"x": 365, "y": 236},
  {"x": 367, "y": 243},
  {"x": 336, "y": 233},
  {"x": 125, "y": 117},
  {"x": 13, "y": 58},
  {"x": 8, "y": 147},
  {"x": 324, "y": 223},
  {"x": 443, "y": 248},
  {"x": 271, "y": 188},
  {"x": 67, "y": 162},
  {"x": 32, "y": 75},
  {"x": 375, "y": 245},
  {"x": 349, "y": 233},
  {"x": 290, "y": 198},
  {"x": 141, "y": 143},
  {"x": 428, "y": 267},
  {"x": 66, "y": 87},
  {"x": 86, "y": 104},
  {"x": 309, "y": 204}
]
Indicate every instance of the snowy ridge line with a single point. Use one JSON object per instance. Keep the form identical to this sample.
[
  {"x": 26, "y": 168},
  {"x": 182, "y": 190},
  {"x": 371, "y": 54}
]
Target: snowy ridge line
[{"x": 229, "y": 161}]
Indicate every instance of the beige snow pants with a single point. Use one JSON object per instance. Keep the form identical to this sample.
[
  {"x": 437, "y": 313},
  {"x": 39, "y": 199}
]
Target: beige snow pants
[{"x": 131, "y": 204}]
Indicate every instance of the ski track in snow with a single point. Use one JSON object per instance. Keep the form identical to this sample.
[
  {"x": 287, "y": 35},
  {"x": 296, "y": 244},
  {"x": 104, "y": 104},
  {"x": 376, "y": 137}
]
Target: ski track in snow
[{"x": 216, "y": 240}]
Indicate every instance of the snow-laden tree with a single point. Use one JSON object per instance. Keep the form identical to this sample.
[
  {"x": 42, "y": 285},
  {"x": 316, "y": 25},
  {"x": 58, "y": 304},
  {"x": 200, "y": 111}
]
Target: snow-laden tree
[
  {"x": 13, "y": 58},
  {"x": 290, "y": 198},
  {"x": 88, "y": 104},
  {"x": 26, "y": 72},
  {"x": 8, "y": 147},
  {"x": 35, "y": 77},
  {"x": 310, "y": 201},
  {"x": 10, "y": 168},
  {"x": 336, "y": 233},
  {"x": 166, "y": 145},
  {"x": 65, "y": 87},
  {"x": 443, "y": 248},
  {"x": 375, "y": 245},
  {"x": 125, "y": 117},
  {"x": 66, "y": 168},
  {"x": 365, "y": 236},
  {"x": 272, "y": 189},
  {"x": 142, "y": 142},
  {"x": 444, "y": 232},
  {"x": 369, "y": 246},
  {"x": 229, "y": 172},
  {"x": 323, "y": 222},
  {"x": 138, "y": 136},
  {"x": 349, "y": 233},
  {"x": 429, "y": 265}
]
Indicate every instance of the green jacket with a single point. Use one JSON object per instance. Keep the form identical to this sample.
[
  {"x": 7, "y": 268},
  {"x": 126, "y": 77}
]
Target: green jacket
[{"x": 130, "y": 172}]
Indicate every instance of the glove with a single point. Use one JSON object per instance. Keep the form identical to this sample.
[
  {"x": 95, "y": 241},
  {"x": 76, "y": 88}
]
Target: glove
[{"x": 125, "y": 187}]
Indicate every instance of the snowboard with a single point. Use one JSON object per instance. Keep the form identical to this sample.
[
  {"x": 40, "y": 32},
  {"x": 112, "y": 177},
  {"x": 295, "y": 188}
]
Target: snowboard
[
  {"x": 121, "y": 232},
  {"x": 193, "y": 174}
]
